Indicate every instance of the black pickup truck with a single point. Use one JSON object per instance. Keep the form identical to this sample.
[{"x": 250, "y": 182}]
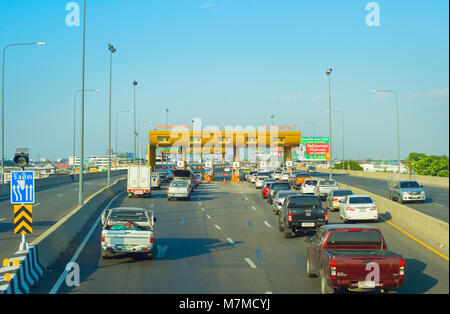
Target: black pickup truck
[{"x": 301, "y": 213}]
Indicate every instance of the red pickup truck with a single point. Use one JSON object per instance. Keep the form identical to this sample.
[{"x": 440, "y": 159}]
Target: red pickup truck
[{"x": 353, "y": 257}]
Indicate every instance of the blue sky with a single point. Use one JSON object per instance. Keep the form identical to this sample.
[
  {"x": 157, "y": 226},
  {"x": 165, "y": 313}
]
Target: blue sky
[{"x": 230, "y": 62}]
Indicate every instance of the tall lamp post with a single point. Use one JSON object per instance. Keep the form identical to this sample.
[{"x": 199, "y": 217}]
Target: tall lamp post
[
  {"x": 167, "y": 118},
  {"x": 271, "y": 117},
  {"x": 313, "y": 124},
  {"x": 328, "y": 73},
  {"x": 343, "y": 136},
  {"x": 111, "y": 50},
  {"x": 398, "y": 126},
  {"x": 138, "y": 133},
  {"x": 117, "y": 121},
  {"x": 3, "y": 99},
  {"x": 74, "y": 119},
  {"x": 134, "y": 137},
  {"x": 80, "y": 188}
]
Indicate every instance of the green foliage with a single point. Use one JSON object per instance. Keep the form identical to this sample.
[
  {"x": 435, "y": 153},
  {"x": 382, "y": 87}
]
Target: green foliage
[
  {"x": 432, "y": 165},
  {"x": 353, "y": 166}
]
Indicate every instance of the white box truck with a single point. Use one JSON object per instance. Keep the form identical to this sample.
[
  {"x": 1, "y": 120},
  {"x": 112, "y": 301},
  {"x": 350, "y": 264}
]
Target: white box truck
[{"x": 139, "y": 180}]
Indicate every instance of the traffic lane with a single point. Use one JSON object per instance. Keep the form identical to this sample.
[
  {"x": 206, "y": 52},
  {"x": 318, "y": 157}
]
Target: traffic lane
[
  {"x": 51, "y": 206},
  {"x": 426, "y": 272},
  {"x": 183, "y": 264},
  {"x": 436, "y": 204}
]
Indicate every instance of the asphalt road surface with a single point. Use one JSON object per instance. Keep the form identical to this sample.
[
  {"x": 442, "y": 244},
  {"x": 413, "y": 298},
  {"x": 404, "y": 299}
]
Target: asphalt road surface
[
  {"x": 51, "y": 205},
  {"x": 224, "y": 240}
]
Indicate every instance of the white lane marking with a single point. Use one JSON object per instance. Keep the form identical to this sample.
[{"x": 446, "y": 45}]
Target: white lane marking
[
  {"x": 59, "y": 195},
  {"x": 242, "y": 192},
  {"x": 245, "y": 198},
  {"x": 200, "y": 203},
  {"x": 1, "y": 219},
  {"x": 268, "y": 292},
  {"x": 249, "y": 261},
  {"x": 218, "y": 227},
  {"x": 209, "y": 217},
  {"x": 203, "y": 209},
  {"x": 253, "y": 207},
  {"x": 80, "y": 248},
  {"x": 267, "y": 224},
  {"x": 440, "y": 205},
  {"x": 37, "y": 204},
  {"x": 230, "y": 241}
]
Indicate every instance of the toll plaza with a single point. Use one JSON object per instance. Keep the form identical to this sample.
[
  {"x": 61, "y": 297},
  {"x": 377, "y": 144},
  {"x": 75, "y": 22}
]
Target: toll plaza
[{"x": 187, "y": 142}]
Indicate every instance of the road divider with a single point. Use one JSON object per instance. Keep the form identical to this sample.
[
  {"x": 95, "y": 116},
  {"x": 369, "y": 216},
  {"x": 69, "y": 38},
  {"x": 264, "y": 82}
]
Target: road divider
[{"x": 426, "y": 230}]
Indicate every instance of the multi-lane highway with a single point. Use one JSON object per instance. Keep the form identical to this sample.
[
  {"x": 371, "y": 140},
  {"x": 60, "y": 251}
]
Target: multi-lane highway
[
  {"x": 224, "y": 240},
  {"x": 436, "y": 204},
  {"x": 52, "y": 204}
]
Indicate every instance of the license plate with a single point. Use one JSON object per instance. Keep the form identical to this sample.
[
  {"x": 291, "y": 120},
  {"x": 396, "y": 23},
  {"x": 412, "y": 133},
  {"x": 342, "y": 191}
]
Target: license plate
[
  {"x": 366, "y": 284},
  {"x": 138, "y": 192},
  {"x": 308, "y": 224},
  {"x": 363, "y": 210}
]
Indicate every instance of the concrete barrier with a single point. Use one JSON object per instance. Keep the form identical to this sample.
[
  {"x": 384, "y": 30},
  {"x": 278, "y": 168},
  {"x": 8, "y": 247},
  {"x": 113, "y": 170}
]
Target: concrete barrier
[
  {"x": 424, "y": 180},
  {"x": 429, "y": 230},
  {"x": 56, "y": 180},
  {"x": 57, "y": 238}
]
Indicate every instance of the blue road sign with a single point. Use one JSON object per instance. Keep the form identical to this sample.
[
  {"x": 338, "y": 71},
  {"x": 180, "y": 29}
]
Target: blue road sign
[{"x": 22, "y": 187}]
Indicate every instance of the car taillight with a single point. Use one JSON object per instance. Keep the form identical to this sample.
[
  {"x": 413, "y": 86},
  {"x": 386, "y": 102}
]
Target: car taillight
[
  {"x": 152, "y": 239},
  {"x": 373, "y": 208},
  {"x": 304, "y": 185},
  {"x": 318, "y": 190},
  {"x": 290, "y": 217},
  {"x": 333, "y": 272},
  {"x": 103, "y": 238},
  {"x": 334, "y": 199},
  {"x": 188, "y": 189},
  {"x": 350, "y": 209},
  {"x": 401, "y": 269},
  {"x": 326, "y": 216}
]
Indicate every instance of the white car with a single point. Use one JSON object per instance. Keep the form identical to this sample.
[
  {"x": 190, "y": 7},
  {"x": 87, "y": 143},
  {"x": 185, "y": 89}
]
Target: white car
[
  {"x": 285, "y": 176},
  {"x": 308, "y": 186},
  {"x": 358, "y": 207},
  {"x": 259, "y": 182}
]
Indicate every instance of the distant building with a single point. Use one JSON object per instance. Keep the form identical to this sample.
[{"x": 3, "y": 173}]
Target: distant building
[
  {"x": 98, "y": 161},
  {"x": 374, "y": 167}
]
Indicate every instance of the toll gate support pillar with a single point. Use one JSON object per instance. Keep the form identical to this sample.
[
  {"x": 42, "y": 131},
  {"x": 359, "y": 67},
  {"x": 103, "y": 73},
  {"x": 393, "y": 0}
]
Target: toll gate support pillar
[{"x": 152, "y": 157}]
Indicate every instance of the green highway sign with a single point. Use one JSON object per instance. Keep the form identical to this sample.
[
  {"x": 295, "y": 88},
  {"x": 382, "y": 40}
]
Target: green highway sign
[{"x": 312, "y": 148}]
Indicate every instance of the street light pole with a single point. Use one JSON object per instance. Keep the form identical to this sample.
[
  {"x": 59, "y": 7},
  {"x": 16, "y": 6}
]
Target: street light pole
[
  {"x": 112, "y": 50},
  {"x": 343, "y": 137},
  {"x": 134, "y": 137},
  {"x": 271, "y": 117},
  {"x": 138, "y": 131},
  {"x": 167, "y": 118},
  {"x": 117, "y": 116},
  {"x": 74, "y": 119},
  {"x": 80, "y": 189},
  {"x": 328, "y": 73},
  {"x": 3, "y": 100},
  {"x": 398, "y": 125}
]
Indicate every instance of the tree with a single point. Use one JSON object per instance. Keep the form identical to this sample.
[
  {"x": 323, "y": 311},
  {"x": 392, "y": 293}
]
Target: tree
[
  {"x": 353, "y": 166},
  {"x": 432, "y": 165}
]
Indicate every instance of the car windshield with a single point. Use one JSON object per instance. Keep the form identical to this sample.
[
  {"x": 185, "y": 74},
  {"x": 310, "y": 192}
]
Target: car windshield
[
  {"x": 327, "y": 182},
  {"x": 179, "y": 183},
  {"x": 411, "y": 184},
  {"x": 129, "y": 215},
  {"x": 281, "y": 186},
  {"x": 284, "y": 194},
  {"x": 361, "y": 238},
  {"x": 304, "y": 202},
  {"x": 310, "y": 182},
  {"x": 360, "y": 200},
  {"x": 342, "y": 193}
]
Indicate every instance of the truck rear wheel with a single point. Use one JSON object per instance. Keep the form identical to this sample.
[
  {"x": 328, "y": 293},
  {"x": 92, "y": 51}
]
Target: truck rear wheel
[
  {"x": 308, "y": 268},
  {"x": 324, "y": 287},
  {"x": 105, "y": 255},
  {"x": 287, "y": 233}
]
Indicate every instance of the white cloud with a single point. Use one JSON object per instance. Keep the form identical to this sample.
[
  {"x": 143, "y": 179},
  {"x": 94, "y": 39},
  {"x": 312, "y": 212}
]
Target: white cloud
[
  {"x": 208, "y": 5},
  {"x": 434, "y": 94},
  {"x": 296, "y": 96}
]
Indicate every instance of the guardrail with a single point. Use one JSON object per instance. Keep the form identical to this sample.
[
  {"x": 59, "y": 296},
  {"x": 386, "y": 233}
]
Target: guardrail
[
  {"x": 56, "y": 180},
  {"x": 429, "y": 230}
]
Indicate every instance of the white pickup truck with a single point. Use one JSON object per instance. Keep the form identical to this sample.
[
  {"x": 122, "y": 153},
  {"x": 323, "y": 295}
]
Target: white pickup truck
[
  {"x": 324, "y": 187},
  {"x": 127, "y": 230}
]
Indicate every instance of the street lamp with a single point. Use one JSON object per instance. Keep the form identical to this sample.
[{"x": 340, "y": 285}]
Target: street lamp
[
  {"x": 343, "y": 136},
  {"x": 167, "y": 118},
  {"x": 80, "y": 183},
  {"x": 74, "y": 119},
  {"x": 271, "y": 117},
  {"x": 313, "y": 124},
  {"x": 117, "y": 116},
  {"x": 398, "y": 126},
  {"x": 3, "y": 100},
  {"x": 111, "y": 50},
  {"x": 328, "y": 73},
  {"x": 134, "y": 137},
  {"x": 138, "y": 132}
]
